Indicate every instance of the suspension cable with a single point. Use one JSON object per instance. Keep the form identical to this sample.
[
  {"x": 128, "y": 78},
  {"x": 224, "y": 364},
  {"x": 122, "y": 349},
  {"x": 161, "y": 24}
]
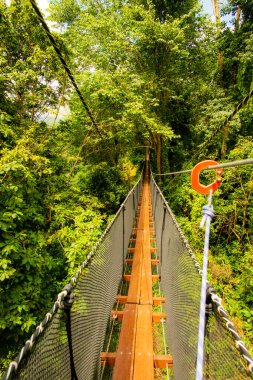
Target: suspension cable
[
  {"x": 217, "y": 130},
  {"x": 226, "y": 121},
  {"x": 60, "y": 56},
  {"x": 247, "y": 161}
]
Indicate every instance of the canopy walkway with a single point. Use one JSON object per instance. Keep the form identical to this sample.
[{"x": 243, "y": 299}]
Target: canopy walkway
[{"x": 141, "y": 278}]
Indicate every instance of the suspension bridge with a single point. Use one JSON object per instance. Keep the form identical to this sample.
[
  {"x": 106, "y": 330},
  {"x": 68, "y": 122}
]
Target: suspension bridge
[{"x": 132, "y": 309}]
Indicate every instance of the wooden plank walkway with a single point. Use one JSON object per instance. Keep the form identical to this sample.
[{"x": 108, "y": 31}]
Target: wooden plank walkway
[
  {"x": 144, "y": 356},
  {"x": 124, "y": 362},
  {"x": 135, "y": 357}
]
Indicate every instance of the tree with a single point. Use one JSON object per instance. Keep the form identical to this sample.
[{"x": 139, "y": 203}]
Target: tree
[
  {"x": 31, "y": 76},
  {"x": 134, "y": 67}
]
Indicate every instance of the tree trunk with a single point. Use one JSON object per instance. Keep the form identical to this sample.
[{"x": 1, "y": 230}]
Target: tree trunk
[
  {"x": 237, "y": 18},
  {"x": 224, "y": 141},
  {"x": 216, "y": 11},
  {"x": 21, "y": 110}
]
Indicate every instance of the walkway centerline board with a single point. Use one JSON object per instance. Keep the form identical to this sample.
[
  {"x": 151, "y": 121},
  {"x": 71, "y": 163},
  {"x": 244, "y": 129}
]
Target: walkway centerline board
[{"x": 135, "y": 356}]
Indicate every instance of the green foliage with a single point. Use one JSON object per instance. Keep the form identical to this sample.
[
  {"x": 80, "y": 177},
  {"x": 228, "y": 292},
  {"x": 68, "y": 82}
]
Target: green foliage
[
  {"x": 54, "y": 202},
  {"x": 49, "y": 219},
  {"x": 150, "y": 74},
  {"x": 231, "y": 233},
  {"x": 25, "y": 258},
  {"x": 28, "y": 68}
]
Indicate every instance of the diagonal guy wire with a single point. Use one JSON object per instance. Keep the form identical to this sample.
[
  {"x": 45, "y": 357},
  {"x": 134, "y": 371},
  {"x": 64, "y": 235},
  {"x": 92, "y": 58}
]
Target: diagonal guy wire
[{"x": 70, "y": 75}]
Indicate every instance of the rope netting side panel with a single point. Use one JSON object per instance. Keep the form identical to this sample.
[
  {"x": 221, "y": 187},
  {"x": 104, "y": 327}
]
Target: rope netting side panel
[
  {"x": 181, "y": 284},
  {"x": 50, "y": 358},
  {"x": 72, "y": 339},
  {"x": 96, "y": 292},
  {"x": 222, "y": 359}
]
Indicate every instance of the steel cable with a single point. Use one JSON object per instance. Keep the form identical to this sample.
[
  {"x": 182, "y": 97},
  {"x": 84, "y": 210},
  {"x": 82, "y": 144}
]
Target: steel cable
[
  {"x": 217, "y": 130},
  {"x": 247, "y": 161},
  {"x": 59, "y": 54},
  {"x": 181, "y": 284},
  {"x": 227, "y": 120}
]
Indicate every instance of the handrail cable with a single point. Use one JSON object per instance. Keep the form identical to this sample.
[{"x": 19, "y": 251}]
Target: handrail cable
[
  {"x": 216, "y": 301},
  {"x": 60, "y": 56},
  {"x": 247, "y": 161},
  {"x": 66, "y": 292}
]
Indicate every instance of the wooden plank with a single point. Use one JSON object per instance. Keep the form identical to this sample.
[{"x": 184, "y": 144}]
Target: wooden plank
[
  {"x": 160, "y": 361},
  {"x": 121, "y": 299},
  {"x": 163, "y": 361},
  {"x": 157, "y": 317},
  {"x": 135, "y": 279},
  {"x": 144, "y": 357},
  {"x": 120, "y": 315},
  {"x": 146, "y": 295},
  {"x": 117, "y": 314},
  {"x": 108, "y": 358},
  {"x": 147, "y": 271},
  {"x": 124, "y": 362},
  {"x": 155, "y": 262},
  {"x": 156, "y": 300},
  {"x": 137, "y": 229},
  {"x": 133, "y": 240},
  {"x": 141, "y": 276}
]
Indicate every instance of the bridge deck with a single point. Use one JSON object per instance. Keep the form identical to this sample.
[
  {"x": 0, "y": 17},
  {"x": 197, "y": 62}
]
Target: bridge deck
[{"x": 135, "y": 357}]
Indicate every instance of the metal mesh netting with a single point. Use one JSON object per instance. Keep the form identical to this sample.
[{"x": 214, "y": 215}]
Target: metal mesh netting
[
  {"x": 222, "y": 358},
  {"x": 50, "y": 357},
  {"x": 72, "y": 341},
  {"x": 94, "y": 295},
  {"x": 181, "y": 283}
]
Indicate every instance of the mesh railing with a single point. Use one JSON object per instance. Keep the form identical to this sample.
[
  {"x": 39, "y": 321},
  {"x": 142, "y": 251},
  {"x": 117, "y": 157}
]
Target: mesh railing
[
  {"x": 181, "y": 282},
  {"x": 68, "y": 343}
]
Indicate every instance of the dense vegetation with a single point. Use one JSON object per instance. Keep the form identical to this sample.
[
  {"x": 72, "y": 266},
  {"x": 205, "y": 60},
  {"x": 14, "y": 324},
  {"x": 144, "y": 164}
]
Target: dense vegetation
[{"x": 157, "y": 72}]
